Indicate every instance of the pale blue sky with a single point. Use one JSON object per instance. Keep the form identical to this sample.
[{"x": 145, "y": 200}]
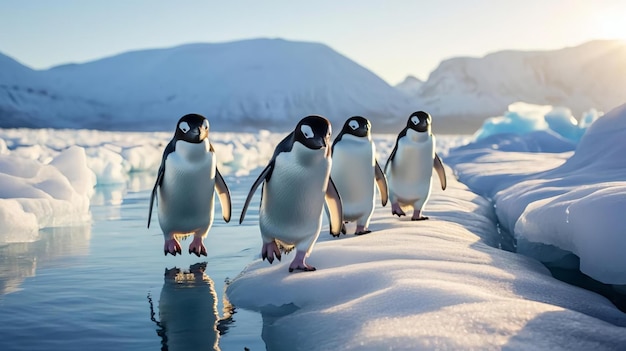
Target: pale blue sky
[{"x": 391, "y": 38}]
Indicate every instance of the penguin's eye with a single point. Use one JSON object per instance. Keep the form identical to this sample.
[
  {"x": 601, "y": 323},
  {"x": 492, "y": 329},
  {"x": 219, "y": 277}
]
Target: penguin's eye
[
  {"x": 205, "y": 124},
  {"x": 415, "y": 120},
  {"x": 184, "y": 126},
  {"x": 353, "y": 124},
  {"x": 307, "y": 131}
]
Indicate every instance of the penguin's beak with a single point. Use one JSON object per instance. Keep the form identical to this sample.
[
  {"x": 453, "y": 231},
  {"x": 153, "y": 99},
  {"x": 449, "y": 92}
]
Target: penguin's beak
[
  {"x": 362, "y": 131},
  {"x": 422, "y": 126},
  {"x": 318, "y": 143},
  {"x": 198, "y": 134}
]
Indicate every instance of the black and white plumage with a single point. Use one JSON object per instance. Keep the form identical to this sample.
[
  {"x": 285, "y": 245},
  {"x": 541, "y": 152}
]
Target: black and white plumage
[
  {"x": 410, "y": 166},
  {"x": 186, "y": 184},
  {"x": 296, "y": 184},
  {"x": 356, "y": 173}
]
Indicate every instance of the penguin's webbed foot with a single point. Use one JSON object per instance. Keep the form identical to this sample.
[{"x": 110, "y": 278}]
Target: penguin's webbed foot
[
  {"x": 197, "y": 247},
  {"x": 361, "y": 229},
  {"x": 269, "y": 251},
  {"x": 172, "y": 246},
  {"x": 417, "y": 216},
  {"x": 302, "y": 269},
  {"x": 397, "y": 210},
  {"x": 298, "y": 263}
]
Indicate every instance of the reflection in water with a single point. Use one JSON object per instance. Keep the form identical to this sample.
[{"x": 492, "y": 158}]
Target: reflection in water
[
  {"x": 188, "y": 310},
  {"x": 274, "y": 339},
  {"x": 19, "y": 261},
  {"x": 140, "y": 181}
]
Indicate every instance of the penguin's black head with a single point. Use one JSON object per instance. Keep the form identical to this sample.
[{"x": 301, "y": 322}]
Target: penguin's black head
[
  {"x": 192, "y": 128},
  {"x": 419, "y": 121},
  {"x": 313, "y": 132},
  {"x": 357, "y": 126}
]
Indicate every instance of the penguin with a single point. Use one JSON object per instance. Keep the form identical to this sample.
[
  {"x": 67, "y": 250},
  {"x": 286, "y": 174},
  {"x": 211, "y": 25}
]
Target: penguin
[
  {"x": 296, "y": 184},
  {"x": 186, "y": 184},
  {"x": 410, "y": 164},
  {"x": 356, "y": 173}
]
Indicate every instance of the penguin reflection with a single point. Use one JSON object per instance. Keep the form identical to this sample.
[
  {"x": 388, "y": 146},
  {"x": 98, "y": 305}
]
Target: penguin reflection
[{"x": 188, "y": 310}]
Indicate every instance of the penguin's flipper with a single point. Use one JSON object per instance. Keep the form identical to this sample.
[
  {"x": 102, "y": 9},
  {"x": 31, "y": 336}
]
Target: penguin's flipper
[
  {"x": 223, "y": 194},
  {"x": 441, "y": 172},
  {"x": 334, "y": 208},
  {"x": 395, "y": 148},
  {"x": 154, "y": 193},
  {"x": 171, "y": 146},
  {"x": 391, "y": 155},
  {"x": 381, "y": 181},
  {"x": 265, "y": 174}
]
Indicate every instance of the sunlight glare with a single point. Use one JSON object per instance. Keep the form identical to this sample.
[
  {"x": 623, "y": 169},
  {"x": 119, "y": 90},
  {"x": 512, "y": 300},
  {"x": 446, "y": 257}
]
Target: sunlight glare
[{"x": 611, "y": 25}]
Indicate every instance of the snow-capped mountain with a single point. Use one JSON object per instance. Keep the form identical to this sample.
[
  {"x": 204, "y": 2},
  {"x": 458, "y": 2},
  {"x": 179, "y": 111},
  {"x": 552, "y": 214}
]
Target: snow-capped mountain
[
  {"x": 272, "y": 83},
  {"x": 410, "y": 85},
  {"x": 241, "y": 86},
  {"x": 27, "y": 99},
  {"x": 466, "y": 90}
]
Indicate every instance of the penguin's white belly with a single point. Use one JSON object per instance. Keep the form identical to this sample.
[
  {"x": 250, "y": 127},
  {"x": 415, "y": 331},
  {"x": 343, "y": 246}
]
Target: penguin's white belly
[
  {"x": 411, "y": 170},
  {"x": 293, "y": 200},
  {"x": 353, "y": 175},
  {"x": 186, "y": 196}
]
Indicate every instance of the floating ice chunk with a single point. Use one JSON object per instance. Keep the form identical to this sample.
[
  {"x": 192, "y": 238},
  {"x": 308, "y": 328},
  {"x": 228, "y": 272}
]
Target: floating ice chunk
[
  {"x": 108, "y": 165},
  {"x": 561, "y": 121},
  {"x": 523, "y": 118},
  {"x": 16, "y": 225},
  {"x": 142, "y": 157},
  {"x": 36, "y": 195}
]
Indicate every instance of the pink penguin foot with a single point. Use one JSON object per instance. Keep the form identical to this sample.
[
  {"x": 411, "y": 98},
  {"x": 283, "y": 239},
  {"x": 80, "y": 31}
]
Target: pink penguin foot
[
  {"x": 298, "y": 263},
  {"x": 397, "y": 210},
  {"x": 172, "y": 246},
  {"x": 197, "y": 247},
  {"x": 361, "y": 229},
  {"x": 269, "y": 251},
  {"x": 417, "y": 216}
]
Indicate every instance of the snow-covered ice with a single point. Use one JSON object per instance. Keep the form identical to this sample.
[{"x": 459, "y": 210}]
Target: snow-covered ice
[
  {"x": 558, "y": 189},
  {"x": 35, "y": 195},
  {"x": 434, "y": 284},
  {"x": 555, "y": 204},
  {"x": 443, "y": 284}
]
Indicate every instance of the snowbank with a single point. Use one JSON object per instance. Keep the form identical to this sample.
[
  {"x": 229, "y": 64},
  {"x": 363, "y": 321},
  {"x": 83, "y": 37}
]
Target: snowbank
[
  {"x": 555, "y": 204},
  {"x": 437, "y": 284}
]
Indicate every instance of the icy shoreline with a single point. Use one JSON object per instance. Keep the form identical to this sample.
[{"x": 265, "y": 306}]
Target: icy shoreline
[{"x": 423, "y": 285}]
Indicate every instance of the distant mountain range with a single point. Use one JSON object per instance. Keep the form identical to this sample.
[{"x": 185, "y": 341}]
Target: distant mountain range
[
  {"x": 465, "y": 90},
  {"x": 241, "y": 86},
  {"x": 272, "y": 83}
]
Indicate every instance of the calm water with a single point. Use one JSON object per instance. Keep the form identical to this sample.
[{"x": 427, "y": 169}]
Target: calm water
[{"x": 103, "y": 286}]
